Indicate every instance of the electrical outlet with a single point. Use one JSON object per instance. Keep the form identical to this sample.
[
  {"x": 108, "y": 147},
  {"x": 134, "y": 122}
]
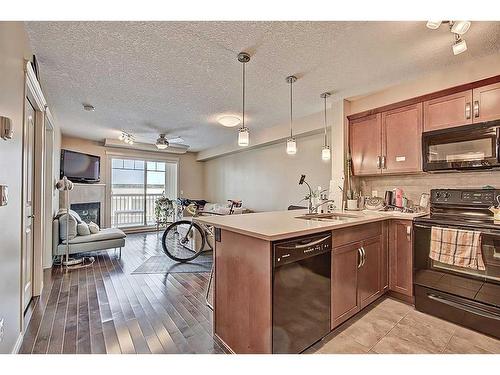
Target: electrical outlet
[{"x": 1, "y": 330}]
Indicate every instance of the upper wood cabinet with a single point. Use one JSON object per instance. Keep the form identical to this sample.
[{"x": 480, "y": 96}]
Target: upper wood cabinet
[
  {"x": 448, "y": 111},
  {"x": 365, "y": 143},
  {"x": 401, "y": 140},
  {"x": 486, "y": 105}
]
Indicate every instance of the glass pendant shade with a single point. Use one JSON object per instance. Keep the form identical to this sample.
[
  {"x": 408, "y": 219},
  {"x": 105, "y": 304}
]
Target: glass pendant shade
[
  {"x": 459, "y": 46},
  {"x": 291, "y": 146},
  {"x": 325, "y": 153},
  {"x": 243, "y": 137}
]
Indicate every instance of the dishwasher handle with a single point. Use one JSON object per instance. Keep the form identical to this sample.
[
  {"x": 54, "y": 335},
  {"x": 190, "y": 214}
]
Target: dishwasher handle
[{"x": 305, "y": 245}]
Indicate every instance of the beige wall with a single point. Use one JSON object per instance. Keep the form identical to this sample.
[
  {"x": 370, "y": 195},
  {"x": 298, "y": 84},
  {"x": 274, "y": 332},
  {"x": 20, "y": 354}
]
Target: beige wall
[
  {"x": 14, "y": 48},
  {"x": 190, "y": 170},
  {"x": 473, "y": 70},
  {"x": 267, "y": 178}
]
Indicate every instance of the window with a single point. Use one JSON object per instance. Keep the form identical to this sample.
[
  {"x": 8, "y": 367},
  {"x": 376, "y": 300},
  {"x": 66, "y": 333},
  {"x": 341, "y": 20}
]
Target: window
[{"x": 135, "y": 185}]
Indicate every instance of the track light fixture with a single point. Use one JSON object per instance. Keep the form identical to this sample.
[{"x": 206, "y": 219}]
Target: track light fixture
[
  {"x": 127, "y": 138},
  {"x": 457, "y": 28}
]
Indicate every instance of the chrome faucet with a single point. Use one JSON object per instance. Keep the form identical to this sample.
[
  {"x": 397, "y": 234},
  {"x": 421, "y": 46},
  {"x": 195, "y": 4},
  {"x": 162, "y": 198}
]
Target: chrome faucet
[{"x": 314, "y": 209}]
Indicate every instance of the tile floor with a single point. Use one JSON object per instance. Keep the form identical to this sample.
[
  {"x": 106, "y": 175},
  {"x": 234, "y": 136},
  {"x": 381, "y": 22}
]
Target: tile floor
[{"x": 392, "y": 327}]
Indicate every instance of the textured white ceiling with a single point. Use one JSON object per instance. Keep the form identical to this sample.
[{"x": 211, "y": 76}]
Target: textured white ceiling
[{"x": 178, "y": 77}]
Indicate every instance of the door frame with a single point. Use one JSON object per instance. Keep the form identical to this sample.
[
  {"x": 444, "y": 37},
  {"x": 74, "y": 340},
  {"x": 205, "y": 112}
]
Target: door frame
[
  {"x": 134, "y": 156},
  {"x": 33, "y": 92}
]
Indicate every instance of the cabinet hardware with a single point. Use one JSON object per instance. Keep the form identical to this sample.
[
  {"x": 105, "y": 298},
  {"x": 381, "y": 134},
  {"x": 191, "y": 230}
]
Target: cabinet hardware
[
  {"x": 408, "y": 232},
  {"x": 360, "y": 258},
  {"x": 378, "y": 162},
  {"x": 467, "y": 111},
  {"x": 476, "y": 108},
  {"x": 383, "y": 162},
  {"x": 363, "y": 256}
]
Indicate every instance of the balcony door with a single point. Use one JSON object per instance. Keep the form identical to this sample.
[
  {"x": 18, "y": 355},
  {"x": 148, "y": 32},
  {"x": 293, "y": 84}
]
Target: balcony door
[{"x": 135, "y": 185}]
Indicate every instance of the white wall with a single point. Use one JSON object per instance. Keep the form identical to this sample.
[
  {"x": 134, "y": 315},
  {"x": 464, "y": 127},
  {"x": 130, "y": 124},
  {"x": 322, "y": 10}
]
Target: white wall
[
  {"x": 266, "y": 178},
  {"x": 14, "y": 48}
]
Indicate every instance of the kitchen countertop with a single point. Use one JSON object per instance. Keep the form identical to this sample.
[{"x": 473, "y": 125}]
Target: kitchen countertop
[{"x": 277, "y": 225}]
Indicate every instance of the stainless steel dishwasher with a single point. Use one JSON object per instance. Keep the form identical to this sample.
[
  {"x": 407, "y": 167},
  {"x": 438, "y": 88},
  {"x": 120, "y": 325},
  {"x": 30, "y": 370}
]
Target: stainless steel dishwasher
[{"x": 301, "y": 292}]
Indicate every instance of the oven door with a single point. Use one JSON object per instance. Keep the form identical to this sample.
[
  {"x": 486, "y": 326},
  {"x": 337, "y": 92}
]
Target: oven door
[
  {"x": 490, "y": 240},
  {"x": 465, "y": 147}
]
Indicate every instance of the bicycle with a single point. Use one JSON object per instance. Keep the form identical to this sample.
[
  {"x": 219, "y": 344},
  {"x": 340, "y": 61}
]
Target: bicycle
[{"x": 185, "y": 240}]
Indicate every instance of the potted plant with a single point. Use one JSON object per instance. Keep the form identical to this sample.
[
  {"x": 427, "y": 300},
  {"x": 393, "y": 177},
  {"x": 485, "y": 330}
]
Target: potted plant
[{"x": 163, "y": 210}]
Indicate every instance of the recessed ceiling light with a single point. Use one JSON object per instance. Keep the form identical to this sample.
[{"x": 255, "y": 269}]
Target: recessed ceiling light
[
  {"x": 460, "y": 27},
  {"x": 229, "y": 121},
  {"x": 459, "y": 46},
  {"x": 88, "y": 107},
  {"x": 433, "y": 25}
]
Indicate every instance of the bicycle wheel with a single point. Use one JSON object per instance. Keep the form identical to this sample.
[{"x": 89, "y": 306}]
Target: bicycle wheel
[{"x": 183, "y": 241}]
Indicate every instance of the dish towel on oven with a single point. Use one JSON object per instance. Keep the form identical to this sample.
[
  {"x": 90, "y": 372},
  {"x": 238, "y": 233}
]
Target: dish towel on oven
[{"x": 457, "y": 247}]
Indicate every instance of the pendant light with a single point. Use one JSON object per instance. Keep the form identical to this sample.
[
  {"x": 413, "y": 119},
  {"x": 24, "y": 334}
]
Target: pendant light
[
  {"x": 325, "y": 152},
  {"x": 291, "y": 144},
  {"x": 243, "y": 134}
]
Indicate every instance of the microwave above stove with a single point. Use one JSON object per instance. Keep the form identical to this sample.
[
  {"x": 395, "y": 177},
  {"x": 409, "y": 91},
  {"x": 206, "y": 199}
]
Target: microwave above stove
[{"x": 460, "y": 148}]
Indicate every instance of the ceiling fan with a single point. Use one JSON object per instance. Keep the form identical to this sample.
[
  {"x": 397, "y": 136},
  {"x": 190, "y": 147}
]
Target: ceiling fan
[{"x": 162, "y": 142}]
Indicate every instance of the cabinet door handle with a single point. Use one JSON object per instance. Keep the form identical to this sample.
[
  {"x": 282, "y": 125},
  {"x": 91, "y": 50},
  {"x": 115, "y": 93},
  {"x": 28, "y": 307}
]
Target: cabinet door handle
[
  {"x": 408, "y": 233},
  {"x": 383, "y": 162},
  {"x": 467, "y": 111},
  {"x": 476, "y": 108},
  {"x": 378, "y": 162},
  {"x": 363, "y": 254},
  {"x": 360, "y": 258}
]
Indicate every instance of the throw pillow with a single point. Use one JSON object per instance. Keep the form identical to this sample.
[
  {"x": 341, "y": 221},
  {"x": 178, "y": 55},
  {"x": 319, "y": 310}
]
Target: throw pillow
[
  {"x": 94, "y": 228},
  {"x": 70, "y": 224},
  {"x": 83, "y": 229}
]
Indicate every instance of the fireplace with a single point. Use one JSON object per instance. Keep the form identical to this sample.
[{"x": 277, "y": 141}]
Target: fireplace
[{"x": 88, "y": 211}]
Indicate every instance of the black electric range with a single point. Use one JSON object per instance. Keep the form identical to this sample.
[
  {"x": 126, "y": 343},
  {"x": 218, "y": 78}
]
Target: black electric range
[{"x": 465, "y": 296}]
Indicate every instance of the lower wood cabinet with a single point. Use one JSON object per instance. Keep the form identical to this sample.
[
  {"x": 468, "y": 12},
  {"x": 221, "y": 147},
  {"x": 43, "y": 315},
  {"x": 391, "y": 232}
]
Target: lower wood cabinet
[
  {"x": 370, "y": 271},
  {"x": 359, "y": 270},
  {"x": 401, "y": 258}
]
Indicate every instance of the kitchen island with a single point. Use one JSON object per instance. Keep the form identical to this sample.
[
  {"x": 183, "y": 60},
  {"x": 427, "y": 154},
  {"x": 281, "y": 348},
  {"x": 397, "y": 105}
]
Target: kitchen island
[{"x": 243, "y": 281}]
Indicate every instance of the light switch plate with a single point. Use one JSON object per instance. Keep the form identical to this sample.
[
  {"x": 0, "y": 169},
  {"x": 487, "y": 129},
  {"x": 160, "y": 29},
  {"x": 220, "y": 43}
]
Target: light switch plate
[
  {"x": 2, "y": 332},
  {"x": 4, "y": 195},
  {"x": 6, "y": 131}
]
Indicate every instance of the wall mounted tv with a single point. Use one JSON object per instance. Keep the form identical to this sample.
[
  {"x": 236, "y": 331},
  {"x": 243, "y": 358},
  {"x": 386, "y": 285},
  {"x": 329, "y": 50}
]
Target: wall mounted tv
[{"x": 79, "y": 167}]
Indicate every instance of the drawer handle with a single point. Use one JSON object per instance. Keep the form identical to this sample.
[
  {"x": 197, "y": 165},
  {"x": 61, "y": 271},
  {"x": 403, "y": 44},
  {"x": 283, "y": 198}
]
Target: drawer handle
[
  {"x": 464, "y": 307},
  {"x": 476, "y": 108},
  {"x": 467, "y": 111}
]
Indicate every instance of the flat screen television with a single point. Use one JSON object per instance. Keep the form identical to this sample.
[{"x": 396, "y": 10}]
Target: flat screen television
[{"x": 79, "y": 167}]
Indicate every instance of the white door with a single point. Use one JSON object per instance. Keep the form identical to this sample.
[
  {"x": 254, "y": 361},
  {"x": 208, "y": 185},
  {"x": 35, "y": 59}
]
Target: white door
[{"x": 28, "y": 183}]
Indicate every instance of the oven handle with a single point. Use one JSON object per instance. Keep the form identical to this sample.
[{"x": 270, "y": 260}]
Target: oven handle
[
  {"x": 483, "y": 231},
  {"x": 464, "y": 307}
]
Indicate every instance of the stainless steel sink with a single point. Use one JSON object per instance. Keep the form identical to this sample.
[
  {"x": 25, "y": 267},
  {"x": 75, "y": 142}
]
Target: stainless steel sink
[{"x": 327, "y": 217}]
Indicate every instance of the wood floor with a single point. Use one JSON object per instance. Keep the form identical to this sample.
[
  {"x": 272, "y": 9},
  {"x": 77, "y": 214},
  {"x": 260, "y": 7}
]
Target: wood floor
[{"x": 106, "y": 309}]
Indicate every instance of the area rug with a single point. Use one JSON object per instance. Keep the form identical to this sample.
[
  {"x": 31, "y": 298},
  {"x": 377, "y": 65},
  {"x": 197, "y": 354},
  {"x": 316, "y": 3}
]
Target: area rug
[{"x": 161, "y": 264}]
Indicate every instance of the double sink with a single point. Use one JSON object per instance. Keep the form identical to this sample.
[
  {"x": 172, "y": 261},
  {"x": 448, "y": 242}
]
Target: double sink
[{"x": 329, "y": 217}]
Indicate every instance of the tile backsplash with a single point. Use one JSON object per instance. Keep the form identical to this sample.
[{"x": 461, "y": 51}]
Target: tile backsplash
[{"x": 414, "y": 185}]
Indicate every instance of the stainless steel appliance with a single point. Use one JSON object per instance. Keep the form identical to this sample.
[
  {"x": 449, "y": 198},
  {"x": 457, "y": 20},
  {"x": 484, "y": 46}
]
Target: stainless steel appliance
[
  {"x": 464, "y": 296},
  {"x": 465, "y": 147},
  {"x": 301, "y": 292}
]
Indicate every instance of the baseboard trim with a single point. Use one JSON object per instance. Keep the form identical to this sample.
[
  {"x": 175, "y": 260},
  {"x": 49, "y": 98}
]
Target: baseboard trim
[{"x": 18, "y": 344}]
